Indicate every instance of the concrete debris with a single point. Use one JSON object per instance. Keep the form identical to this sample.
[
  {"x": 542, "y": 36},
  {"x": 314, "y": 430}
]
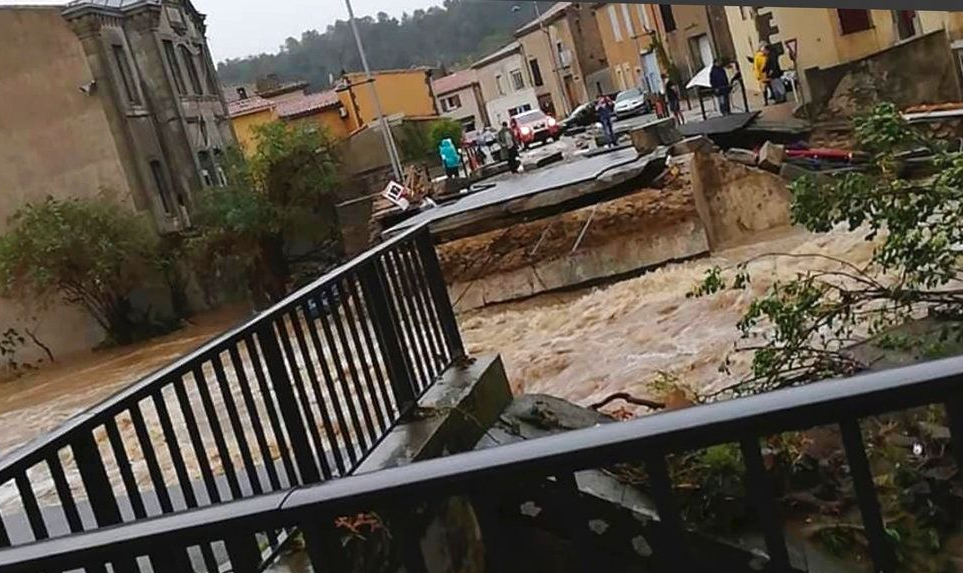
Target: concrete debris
[
  {"x": 651, "y": 135},
  {"x": 772, "y": 156},
  {"x": 692, "y": 145},
  {"x": 744, "y": 156}
]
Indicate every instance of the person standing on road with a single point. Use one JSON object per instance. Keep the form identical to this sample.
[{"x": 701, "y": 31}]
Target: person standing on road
[
  {"x": 450, "y": 158},
  {"x": 674, "y": 99},
  {"x": 719, "y": 82},
  {"x": 605, "y": 109},
  {"x": 774, "y": 75},
  {"x": 759, "y": 63},
  {"x": 506, "y": 140}
]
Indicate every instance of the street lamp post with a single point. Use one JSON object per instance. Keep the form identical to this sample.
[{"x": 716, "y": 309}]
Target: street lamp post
[{"x": 385, "y": 127}]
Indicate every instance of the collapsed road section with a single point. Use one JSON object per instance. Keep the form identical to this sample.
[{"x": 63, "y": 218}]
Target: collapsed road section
[{"x": 598, "y": 219}]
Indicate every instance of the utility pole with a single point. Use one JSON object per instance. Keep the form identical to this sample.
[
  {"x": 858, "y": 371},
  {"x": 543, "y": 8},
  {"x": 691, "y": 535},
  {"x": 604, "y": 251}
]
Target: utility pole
[
  {"x": 566, "y": 105},
  {"x": 385, "y": 127}
]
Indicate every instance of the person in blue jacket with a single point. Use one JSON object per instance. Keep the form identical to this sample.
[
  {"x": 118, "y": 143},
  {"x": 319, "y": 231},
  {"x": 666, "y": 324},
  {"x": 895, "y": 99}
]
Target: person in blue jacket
[{"x": 449, "y": 158}]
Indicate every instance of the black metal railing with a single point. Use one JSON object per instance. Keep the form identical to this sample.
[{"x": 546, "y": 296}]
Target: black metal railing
[
  {"x": 651, "y": 440},
  {"x": 298, "y": 395}
]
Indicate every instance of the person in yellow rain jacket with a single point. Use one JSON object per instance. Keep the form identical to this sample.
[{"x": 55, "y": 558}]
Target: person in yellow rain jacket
[{"x": 759, "y": 64}]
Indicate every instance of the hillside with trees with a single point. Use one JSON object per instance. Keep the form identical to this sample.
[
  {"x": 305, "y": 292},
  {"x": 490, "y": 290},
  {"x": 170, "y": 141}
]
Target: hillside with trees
[{"x": 452, "y": 35}]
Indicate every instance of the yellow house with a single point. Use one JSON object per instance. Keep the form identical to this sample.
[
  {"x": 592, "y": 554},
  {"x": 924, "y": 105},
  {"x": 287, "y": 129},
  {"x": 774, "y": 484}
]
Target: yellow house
[
  {"x": 321, "y": 109},
  {"x": 627, "y": 32},
  {"x": 248, "y": 113},
  {"x": 829, "y": 36},
  {"x": 401, "y": 92}
]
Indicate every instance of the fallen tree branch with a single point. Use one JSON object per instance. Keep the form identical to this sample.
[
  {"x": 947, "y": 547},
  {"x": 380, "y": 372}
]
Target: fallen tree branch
[{"x": 626, "y": 397}]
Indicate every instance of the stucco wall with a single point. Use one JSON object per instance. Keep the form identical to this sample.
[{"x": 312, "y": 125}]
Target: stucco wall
[
  {"x": 55, "y": 141},
  {"x": 400, "y": 92},
  {"x": 623, "y": 50},
  {"x": 244, "y": 128},
  {"x": 470, "y": 106},
  {"x": 819, "y": 35},
  {"x": 922, "y": 70},
  {"x": 498, "y": 104}
]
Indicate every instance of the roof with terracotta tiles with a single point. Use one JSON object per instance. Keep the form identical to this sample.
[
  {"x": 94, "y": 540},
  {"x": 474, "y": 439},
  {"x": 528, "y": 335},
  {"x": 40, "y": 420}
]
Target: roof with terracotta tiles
[
  {"x": 308, "y": 104},
  {"x": 253, "y": 104},
  {"x": 454, "y": 82}
]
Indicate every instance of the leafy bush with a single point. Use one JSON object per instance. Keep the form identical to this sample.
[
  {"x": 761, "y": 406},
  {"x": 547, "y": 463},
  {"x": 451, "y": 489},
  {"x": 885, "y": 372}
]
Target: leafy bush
[
  {"x": 90, "y": 253},
  {"x": 278, "y": 211}
]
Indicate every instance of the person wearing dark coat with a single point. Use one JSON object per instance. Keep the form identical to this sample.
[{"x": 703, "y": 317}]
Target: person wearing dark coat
[{"x": 719, "y": 82}]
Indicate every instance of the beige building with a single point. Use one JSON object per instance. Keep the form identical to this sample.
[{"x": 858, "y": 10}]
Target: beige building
[
  {"x": 828, "y": 36},
  {"x": 459, "y": 97},
  {"x": 119, "y": 97},
  {"x": 507, "y": 85},
  {"x": 565, "y": 57},
  {"x": 628, "y": 33},
  {"x": 693, "y": 36}
]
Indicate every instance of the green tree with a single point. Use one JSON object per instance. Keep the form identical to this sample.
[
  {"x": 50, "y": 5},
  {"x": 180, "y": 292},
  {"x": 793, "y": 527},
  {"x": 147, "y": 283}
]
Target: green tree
[
  {"x": 90, "y": 253},
  {"x": 278, "y": 212},
  {"x": 802, "y": 330},
  {"x": 445, "y": 129}
]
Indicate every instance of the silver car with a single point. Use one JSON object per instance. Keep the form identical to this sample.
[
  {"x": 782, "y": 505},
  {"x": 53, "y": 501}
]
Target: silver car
[{"x": 631, "y": 102}]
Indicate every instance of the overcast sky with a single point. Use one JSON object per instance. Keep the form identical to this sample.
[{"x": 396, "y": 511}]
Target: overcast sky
[{"x": 239, "y": 28}]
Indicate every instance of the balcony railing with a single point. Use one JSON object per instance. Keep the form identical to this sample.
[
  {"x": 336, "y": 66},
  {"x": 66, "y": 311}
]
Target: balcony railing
[
  {"x": 650, "y": 439},
  {"x": 298, "y": 395}
]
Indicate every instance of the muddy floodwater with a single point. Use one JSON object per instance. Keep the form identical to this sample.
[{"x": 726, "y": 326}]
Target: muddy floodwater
[{"x": 582, "y": 346}]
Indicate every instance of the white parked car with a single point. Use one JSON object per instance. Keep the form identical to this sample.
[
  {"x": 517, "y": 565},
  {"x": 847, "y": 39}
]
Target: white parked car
[{"x": 631, "y": 102}]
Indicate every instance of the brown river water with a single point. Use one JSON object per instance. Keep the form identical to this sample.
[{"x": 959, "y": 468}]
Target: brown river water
[{"x": 581, "y": 346}]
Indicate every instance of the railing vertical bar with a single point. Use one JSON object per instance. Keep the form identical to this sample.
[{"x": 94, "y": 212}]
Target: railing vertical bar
[
  {"x": 353, "y": 325},
  {"x": 207, "y": 554},
  {"x": 303, "y": 398},
  {"x": 312, "y": 376},
  {"x": 197, "y": 442},
  {"x": 31, "y": 507},
  {"x": 672, "y": 550},
  {"x": 288, "y": 404},
  {"x": 344, "y": 386},
  {"x": 150, "y": 456},
  {"x": 410, "y": 328},
  {"x": 215, "y": 424},
  {"x": 240, "y": 437},
  {"x": 267, "y": 395},
  {"x": 368, "y": 335},
  {"x": 4, "y": 536},
  {"x": 428, "y": 303},
  {"x": 388, "y": 332},
  {"x": 252, "y": 411},
  {"x": 399, "y": 311},
  {"x": 100, "y": 494},
  {"x": 436, "y": 282},
  {"x": 126, "y": 473},
  {"x": 64, "y": 494},
  {"x": 332, "y": 400},
  {"x": 880, "y": 548},
  {"x": 243, "y": 552},
  {"x": 173, "y": 444},
  {"x": 954, "y": 414},
  {"x": 435, "y": 357},
  {"x": 760, "y": 490},
  {"x": 357, "y": 396}
]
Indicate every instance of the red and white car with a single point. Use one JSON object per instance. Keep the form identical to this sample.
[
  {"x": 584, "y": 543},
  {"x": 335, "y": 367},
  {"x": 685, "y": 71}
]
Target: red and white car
[{"x": 534, "y": 127}]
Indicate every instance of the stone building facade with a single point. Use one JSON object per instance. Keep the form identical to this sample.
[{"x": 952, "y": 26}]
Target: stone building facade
[{"x": 106, "y": 95}]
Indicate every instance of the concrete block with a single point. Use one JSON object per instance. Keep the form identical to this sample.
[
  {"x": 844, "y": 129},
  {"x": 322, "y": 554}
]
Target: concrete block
[
  {"x": 451, "y": 417},
  {"x": 744, "y": 156},
  {"x": 692, "y": 145},
  {"x": 791, "y": 172},
  {"x": 771, "y": 156}
]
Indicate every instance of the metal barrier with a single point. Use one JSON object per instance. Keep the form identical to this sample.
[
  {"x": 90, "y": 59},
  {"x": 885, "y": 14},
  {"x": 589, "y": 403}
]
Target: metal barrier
[
  {"x": 650, "y": 439},
  {"x": 298, "y": 395}
]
